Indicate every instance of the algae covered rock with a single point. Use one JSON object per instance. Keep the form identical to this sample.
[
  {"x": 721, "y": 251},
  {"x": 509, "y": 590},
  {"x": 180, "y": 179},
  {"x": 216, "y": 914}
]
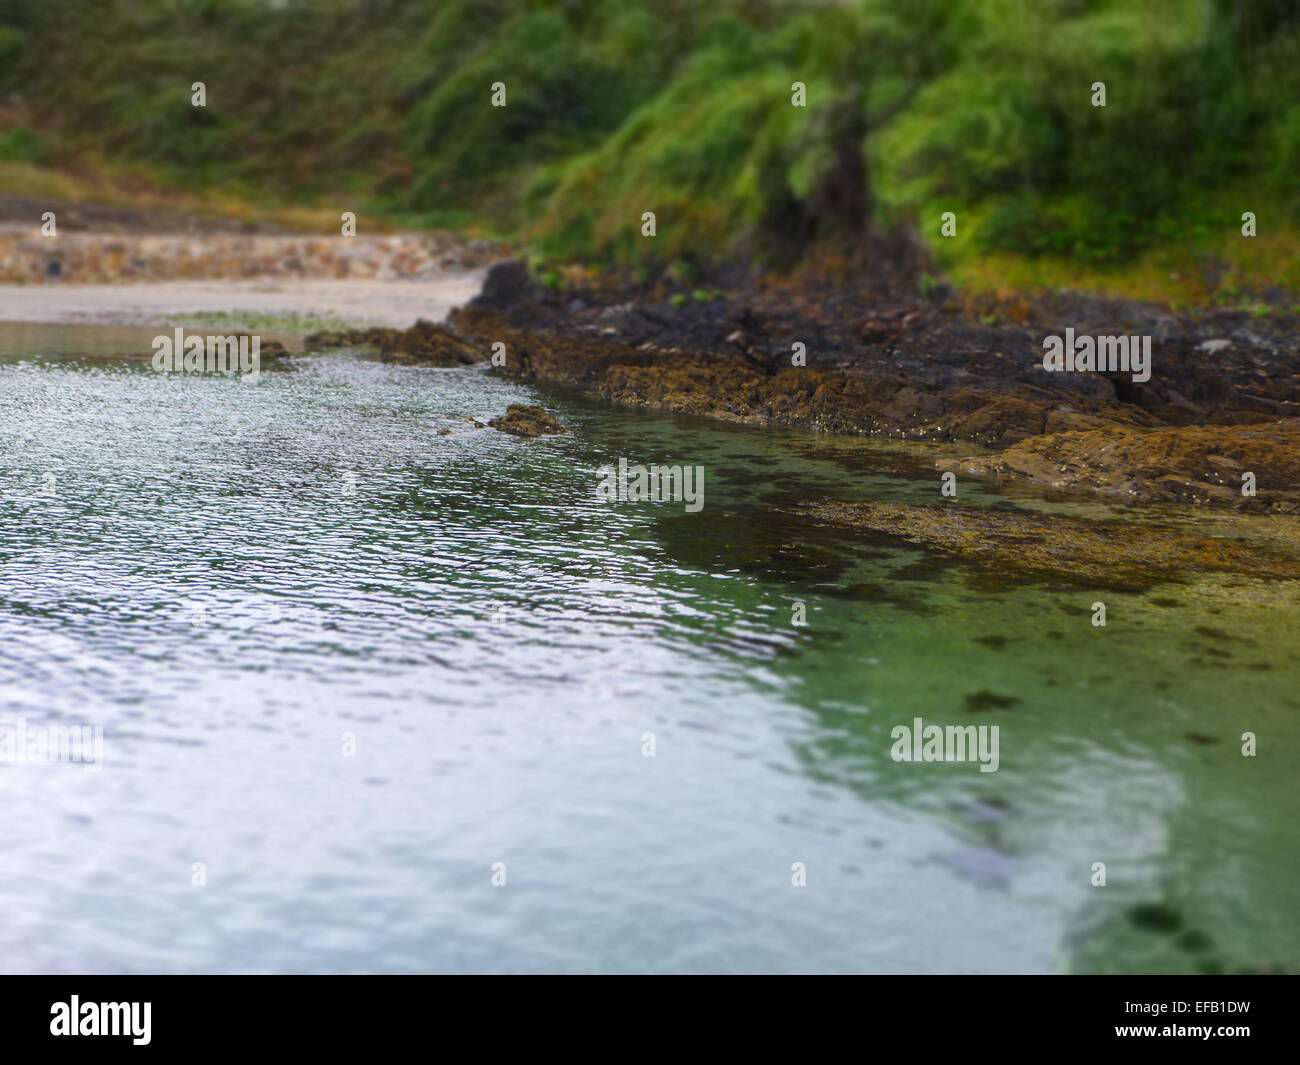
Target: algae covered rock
[
  {"x": 1116, "y": 553},
  {"x": 424, "y": 344},
  {"x": 428, "y": 344},
  {"x": 521, "y": 420},
  {"x": 348, "y": 338},
  {"x": 1201, "y": 464},
  {"x": 272, "y": 350}
]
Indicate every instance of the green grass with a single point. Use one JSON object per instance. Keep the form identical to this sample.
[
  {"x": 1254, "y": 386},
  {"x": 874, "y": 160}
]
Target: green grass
[{"x": 252, "y": 321}]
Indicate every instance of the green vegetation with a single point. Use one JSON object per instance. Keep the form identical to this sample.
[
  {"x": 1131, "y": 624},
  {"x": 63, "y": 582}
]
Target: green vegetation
[
  {"x": 617, "y": 107},
  {"x": 258, "y": 321}
]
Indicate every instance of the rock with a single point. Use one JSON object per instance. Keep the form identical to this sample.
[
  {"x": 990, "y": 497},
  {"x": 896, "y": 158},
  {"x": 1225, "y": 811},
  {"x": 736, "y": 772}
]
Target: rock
[
  {"x": 272, "y": 350},
  {"x": 424, "y": 344},
  {"x": 1155, "y": 917},
  {"x": 350, "y": 338},
  {"x": 987, "y": 866},
  {"x": 1095, "y": 553},
  {"x": 987, "y": 700},
  {"x": 427, "y": 344},
  {"x": 1189, "y": 464},
  {"x": 931, "y": 373},
  {"x": 520, "y": 420},
  {"x": 506, "y": 285}
]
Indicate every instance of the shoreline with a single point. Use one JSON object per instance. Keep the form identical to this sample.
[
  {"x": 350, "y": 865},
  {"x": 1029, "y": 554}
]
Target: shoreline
[
  {"x": 1219, "y": 412},
  {"x": 1222, "y": 401}
]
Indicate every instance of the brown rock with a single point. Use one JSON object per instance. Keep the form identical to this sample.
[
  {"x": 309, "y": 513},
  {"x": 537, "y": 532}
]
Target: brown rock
[
  {"x": 521, "y": 420},
  {"x": 1190, "y": 463},
  {"x": 427, "y": 344},
  {"x": 1092, "y": 552}
]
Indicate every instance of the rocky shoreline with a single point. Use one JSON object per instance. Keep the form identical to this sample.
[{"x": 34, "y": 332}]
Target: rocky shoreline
[{"x": 1222, "y": 401}]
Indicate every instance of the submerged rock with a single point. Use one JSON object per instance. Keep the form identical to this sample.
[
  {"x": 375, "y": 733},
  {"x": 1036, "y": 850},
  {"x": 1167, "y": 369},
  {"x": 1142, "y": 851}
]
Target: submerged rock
[
  {"x": 1099, "y": 553},
  {"x": 1201, "y": 464},
  {"x": 986, "y": 866},
  {"x": 985, "y": 810},
  {"x": 987, "y": 700},
  {"x": 1194, "y": 941},
  {"x": 1155, "y": 917},
  {"x": 521, "y": 420}
]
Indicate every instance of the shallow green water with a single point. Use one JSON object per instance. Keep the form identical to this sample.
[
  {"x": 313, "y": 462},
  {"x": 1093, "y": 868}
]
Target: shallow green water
[{"x": 200, "y": 579}]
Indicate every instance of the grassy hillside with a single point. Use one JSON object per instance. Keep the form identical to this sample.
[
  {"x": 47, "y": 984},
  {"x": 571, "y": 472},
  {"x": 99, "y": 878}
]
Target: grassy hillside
[{"x": 616, "y": 107}]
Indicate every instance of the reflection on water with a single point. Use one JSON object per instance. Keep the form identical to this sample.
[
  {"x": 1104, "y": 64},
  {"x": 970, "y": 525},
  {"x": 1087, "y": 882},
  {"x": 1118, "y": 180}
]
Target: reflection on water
[{"x": 243, "y": 584}]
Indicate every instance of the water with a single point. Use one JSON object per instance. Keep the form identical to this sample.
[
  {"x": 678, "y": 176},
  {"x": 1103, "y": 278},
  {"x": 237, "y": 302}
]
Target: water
[{"x": 234, "y": 579}]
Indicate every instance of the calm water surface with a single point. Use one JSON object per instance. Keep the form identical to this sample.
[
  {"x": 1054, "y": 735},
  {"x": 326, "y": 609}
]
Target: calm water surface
[{"x": 201, "y": 579}]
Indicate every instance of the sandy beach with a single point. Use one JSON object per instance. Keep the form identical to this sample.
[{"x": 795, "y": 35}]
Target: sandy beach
[{"x": 369, "y": 302}]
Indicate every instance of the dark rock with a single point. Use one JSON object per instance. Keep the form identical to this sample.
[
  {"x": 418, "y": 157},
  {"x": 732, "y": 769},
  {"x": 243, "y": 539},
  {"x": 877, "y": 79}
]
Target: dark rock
[
  {"x": 1155, "y": 917},
  {"x": 987, "y": 700},
  {"x": 506, "y": 285}
]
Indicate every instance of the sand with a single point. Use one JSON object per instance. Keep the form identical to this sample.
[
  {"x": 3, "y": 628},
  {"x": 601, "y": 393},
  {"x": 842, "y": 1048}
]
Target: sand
[{"x": 364, "y": 302}]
